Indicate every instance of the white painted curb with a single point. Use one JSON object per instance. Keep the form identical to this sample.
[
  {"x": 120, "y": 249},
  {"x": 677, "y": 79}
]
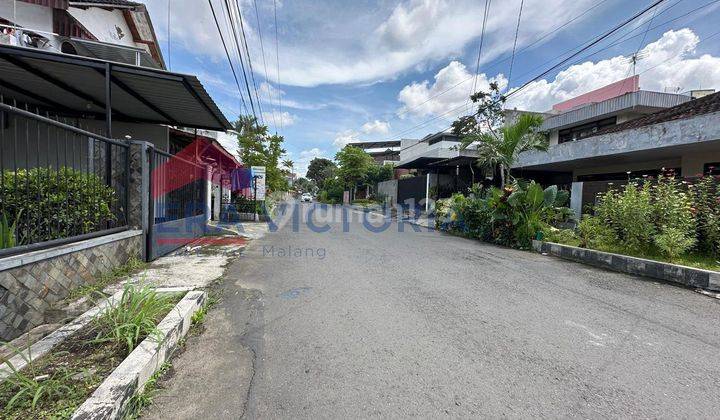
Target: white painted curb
[{"x": 110, "y": 399}]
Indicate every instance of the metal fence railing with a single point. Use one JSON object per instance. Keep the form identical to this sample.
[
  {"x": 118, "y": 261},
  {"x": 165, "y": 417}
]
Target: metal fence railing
[
  {"x": 59, "y": 182},
  {"x": 177, "y": 187}
]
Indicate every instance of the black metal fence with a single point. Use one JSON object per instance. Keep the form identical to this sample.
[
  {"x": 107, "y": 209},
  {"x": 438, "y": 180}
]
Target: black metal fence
[
  {"x": 177, "y": 187},
  {"x": 59, "y": 182}
]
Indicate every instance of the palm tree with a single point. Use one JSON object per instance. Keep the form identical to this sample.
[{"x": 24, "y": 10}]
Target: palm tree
[
  {"x": 288, "y": 164},
  {"x": 500, "y": 148}
]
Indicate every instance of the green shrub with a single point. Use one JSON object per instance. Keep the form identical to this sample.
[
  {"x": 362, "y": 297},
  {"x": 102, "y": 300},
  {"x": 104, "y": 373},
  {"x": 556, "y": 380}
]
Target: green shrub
[
  {"x": 8, "y": 232},
  {"x": 706, "y": 207},
  {"x": 596, "y": 234},
  {"x": 332, "y": 191},
  {"x": 562, "y": 236},
  {"x": 512, "y": 216},
  {"x": 673, "y": 242},
  {"x": 132, "y": 318},
  {"x": 630, "y": 214},
  {"x": 55, "y": 203}
]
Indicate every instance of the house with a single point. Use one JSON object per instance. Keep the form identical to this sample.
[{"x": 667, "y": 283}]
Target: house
[
  {"x": 114, "y": 30},
  {"x": 120, "y": 152},
  {"x": 638, "y": 133},
  {"x": 382, "y": 152},
  {"x": 440, "y": 167}
]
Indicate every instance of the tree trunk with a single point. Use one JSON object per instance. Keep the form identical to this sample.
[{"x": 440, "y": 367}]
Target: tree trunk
[{"x": 502, "y": 176}]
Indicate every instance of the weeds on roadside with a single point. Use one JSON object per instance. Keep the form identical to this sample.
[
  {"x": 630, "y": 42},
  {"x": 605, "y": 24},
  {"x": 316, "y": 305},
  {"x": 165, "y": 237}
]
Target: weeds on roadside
[
  {"x": 30, "y": 389},
  {"x": 145, "y": 398},
  {"x": 133, "y": 317},
  {"x": 132, "y": 265}
]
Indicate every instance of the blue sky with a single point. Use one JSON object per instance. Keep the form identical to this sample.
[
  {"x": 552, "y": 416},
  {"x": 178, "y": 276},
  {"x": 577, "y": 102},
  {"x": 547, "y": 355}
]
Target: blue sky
[{"x": 372, "y": 70}]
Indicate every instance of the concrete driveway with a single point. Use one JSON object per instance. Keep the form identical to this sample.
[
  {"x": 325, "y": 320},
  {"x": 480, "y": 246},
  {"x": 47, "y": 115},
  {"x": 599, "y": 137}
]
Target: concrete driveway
[{"x": 423, "y": 324}]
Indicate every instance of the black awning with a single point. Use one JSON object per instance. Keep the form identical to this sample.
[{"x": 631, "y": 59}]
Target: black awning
[
  {"x": 68, "y": 83},
  {"x": 418, "y": 163},
  {"x": 376, "y": 144}
]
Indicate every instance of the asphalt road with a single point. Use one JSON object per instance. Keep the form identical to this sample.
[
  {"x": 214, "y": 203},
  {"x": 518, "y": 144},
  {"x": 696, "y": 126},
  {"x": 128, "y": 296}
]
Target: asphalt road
[{"x": 408, "y": 324}]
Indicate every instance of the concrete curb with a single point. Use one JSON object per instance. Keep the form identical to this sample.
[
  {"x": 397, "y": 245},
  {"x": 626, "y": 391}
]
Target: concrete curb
[
  {"x": 687, "y": 276},
  {"x": 110, "y": 399},
  {"x": 44, "y": 346}
]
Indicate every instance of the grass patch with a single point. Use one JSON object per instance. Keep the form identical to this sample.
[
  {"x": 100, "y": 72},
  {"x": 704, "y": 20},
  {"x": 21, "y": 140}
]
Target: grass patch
[
  {"x": 55, "y": 385},
  {"x": 132, "y": 266},
  {"x": 144, "y": 399},
  {"x": 701, "y": 261},
  {"x": 365, "y": 202}
]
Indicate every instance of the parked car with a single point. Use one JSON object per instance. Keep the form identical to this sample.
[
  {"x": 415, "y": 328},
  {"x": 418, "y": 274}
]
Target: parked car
[{"x": 306, "y": 197}]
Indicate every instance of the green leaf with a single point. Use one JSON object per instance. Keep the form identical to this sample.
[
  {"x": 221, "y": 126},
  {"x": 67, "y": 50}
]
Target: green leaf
[
  {"x": 535, "y": 195},
  {"x": 550, "y": 195},
  {"x": 562, "y": 198}
]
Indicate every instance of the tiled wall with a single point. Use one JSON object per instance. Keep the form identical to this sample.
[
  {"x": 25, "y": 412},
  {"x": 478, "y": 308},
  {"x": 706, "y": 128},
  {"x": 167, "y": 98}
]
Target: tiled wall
[{"x": 28, "y": 291}]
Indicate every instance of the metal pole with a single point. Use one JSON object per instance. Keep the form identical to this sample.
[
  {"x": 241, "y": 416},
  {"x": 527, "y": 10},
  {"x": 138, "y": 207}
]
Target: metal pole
[
  {"x": 108, "y": 128},
  {"x": 255, "y": 178}
]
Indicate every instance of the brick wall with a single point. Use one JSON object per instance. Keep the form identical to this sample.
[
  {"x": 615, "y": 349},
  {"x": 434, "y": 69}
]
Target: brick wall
[{"x": 29, "y": 290}]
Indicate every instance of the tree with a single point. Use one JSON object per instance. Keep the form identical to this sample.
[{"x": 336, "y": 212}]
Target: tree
[
  {"x": 257, "y": 148},
  {"x": 305, "y": 185},
  {"x": 379, "y": 173},
  {"x": 353, "y": 165},
  {"x": 498, "y": 143},
  {"x": 289, "y": 164},
  {"x": 320, "y": 169}
]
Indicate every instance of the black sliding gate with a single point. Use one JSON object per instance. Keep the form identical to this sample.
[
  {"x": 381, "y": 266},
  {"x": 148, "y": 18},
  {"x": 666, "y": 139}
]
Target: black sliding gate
[{"x": 177, "y": 203}]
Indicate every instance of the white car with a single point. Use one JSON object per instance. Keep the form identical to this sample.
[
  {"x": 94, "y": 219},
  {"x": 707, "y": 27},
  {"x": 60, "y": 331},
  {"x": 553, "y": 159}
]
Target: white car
[{"x": 306, "y": 197}]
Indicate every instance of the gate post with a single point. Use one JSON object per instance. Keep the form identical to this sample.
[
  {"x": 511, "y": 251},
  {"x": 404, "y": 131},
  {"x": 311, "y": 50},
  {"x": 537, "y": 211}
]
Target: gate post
[
  {"x": 139, "y": 190},
  {"x": 208, "y": 193}
]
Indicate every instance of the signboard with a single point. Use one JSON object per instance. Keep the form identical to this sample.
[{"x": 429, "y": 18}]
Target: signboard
[{"x": 258, "y": 177}]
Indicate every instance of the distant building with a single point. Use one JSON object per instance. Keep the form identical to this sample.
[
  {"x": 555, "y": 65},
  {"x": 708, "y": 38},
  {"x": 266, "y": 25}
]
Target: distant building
[
  {"x": 638, "y": 133},
  {"x": 114, "y": 30}
]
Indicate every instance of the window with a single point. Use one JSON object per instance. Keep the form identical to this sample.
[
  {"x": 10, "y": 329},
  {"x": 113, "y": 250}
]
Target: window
[
  {"x": 712, "y": 168},
  {"x": 585, "y": 130}
]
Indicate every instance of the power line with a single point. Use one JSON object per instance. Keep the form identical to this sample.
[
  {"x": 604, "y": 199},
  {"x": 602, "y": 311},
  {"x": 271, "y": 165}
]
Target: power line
[
  {"x": 249, "y": 60},
  {"x": 227, "y": 54},
  {"x": 262, "y": 50},
  {"x": 597, "y": 40},
  {"x": 517, "y": 30},
  {"x": 623, "y": 38},
  {"x": 242, "y": 64},
  {"x": 500, "y": 61},
  {"x": 593, "y": 43},
  {"x": 277, "y": 62},
  {"x": 480, "y": 48}
]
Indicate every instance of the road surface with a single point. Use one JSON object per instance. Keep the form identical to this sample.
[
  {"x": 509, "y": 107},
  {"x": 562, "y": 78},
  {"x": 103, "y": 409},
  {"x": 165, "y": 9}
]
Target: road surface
[{"x": 407, "y": 324}]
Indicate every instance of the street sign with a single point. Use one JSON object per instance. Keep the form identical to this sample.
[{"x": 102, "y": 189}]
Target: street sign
[{"x": 258, "y": 176}]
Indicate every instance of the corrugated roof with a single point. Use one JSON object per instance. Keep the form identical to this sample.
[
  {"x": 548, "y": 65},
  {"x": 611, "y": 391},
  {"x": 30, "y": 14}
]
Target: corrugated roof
[
  {"x": 704, "y": 105},
  {"x": 72, "y": 83},
  {"x": 103, "y": 2}
]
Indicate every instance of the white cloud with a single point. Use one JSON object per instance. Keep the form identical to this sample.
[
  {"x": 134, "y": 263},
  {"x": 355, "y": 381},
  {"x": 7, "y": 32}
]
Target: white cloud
[
  {"x": 376, "y": 127},
  {"x": 669, "y": 64},
  {"x": 371, "y": 44},
  {"x": 275, "y": 117},
  {"x": 438, "y": 98},
  {"x": 344, "y": 137},
  {"x": 302, "y": 160}
]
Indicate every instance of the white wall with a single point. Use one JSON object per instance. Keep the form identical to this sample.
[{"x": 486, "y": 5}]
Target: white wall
[
  {"x": 104, "y": 24},
  {"x": 27, "y": 15}
]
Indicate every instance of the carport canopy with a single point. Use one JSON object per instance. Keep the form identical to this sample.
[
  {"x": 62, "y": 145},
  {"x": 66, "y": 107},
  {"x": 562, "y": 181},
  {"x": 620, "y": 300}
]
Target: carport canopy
[{"x": 71, "y": 84}]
